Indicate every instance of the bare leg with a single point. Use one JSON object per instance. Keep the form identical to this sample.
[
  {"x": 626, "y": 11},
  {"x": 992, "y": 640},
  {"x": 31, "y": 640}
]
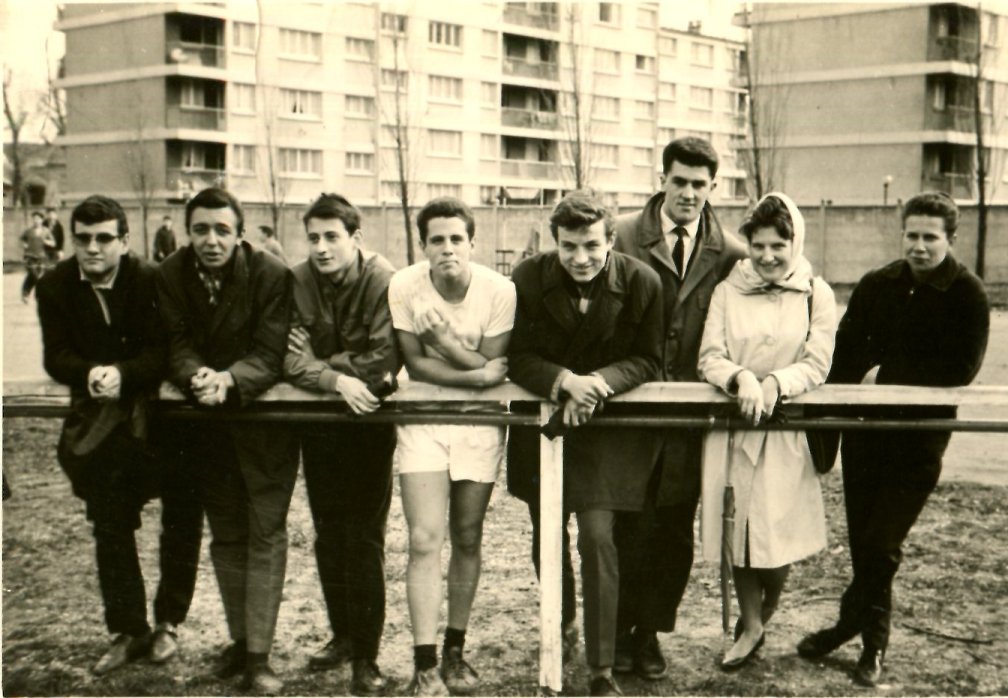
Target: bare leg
[
  {"x": 425, "y": 499},
  {"x": 469, "y": 501},
  {"x": 750, "y": 597}
]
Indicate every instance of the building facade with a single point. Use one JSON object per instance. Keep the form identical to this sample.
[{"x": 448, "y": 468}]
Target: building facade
[
  {"x": 865, "y": 104},
  {"x": 491, "y": 102}
]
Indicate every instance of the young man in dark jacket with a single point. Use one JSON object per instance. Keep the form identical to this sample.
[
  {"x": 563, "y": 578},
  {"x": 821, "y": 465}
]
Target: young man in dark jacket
[
  {"x": 342, "y": 342},
  {"x": 922, "y": 320},
  {"x": 587, "y": 326},
  {"x": 102, "y": 337},
  {"x": 678, "y": 236},
  {"x": 226, "y": 307}
]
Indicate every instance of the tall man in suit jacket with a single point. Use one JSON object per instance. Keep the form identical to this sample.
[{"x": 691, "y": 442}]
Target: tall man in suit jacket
[
  {"x": 226, "y": 307},
  {"x": 677, "y": 235},
  {"x": 102, "y": 337},
  {"x": 587, "y": 326}
]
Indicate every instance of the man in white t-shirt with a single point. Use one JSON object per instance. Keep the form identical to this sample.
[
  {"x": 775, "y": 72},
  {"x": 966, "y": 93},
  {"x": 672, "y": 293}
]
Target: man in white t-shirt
[{"x": 453, "y": 320}]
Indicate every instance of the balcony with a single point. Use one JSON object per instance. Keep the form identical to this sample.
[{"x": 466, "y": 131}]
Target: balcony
[
  {"x": 528, "y": 118},
  {"x": 186, "y": 181},
  {"x": 955, "y": 184},
  {"x": 529, "y": 169},
  {"x": 952, "y": 48},
  {"x": 191, "y": 116},
  {"x": 519, "y": 13},
  {"x": 188, "y": 53},
  {"x": 520, "y": 67}
]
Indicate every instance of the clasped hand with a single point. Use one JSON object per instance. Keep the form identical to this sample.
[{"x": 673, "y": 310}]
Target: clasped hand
[
  {"x": 433, "y": 329},
  {"x": 584, "y": 393},
  {"x": 104, "y": 383},
  {"x": 210, "y": 387},
  {"x": 756, "y": 399}
]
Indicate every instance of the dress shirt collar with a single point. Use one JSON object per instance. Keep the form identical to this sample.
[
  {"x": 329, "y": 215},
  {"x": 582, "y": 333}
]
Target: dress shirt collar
[{"x": 668, "y": 225}]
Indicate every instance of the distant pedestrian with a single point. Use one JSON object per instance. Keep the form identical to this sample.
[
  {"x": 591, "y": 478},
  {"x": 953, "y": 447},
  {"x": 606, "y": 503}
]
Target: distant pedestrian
[
  {"x": 269, "y": 242},
  {"x": 164, "y": 240},
  {"x": 56, "y": 228},
  {"x": 37, "y": 245}
]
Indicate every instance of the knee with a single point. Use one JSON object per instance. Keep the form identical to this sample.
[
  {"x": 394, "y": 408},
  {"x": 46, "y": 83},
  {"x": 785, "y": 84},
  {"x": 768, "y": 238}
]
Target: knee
[
  {"x": 425, "y": 540},
  {"x": 467, "y": 539}
]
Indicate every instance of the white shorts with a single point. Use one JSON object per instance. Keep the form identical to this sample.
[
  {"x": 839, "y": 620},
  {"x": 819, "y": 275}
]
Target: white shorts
[{"x": 466, "y": 452}]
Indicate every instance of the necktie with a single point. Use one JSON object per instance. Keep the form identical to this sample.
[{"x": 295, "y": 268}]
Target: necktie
[{"x": 679, "y": 250}]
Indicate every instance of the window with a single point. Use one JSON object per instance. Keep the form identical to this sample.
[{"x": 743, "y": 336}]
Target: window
[
  {"x": 667, "y": 45},
  {"x": 300, "y": 103},
  {"x": 394, "y": 79},
  {"x": 491, "y": 43},
  {"x": 191, "y": 94},
  {"x": 644, "y": 64},
  {"x": 734, "y": 188},
  {"x": 360, "y": 162},
  {"x": 647, "y": 18},
  {"x": 446, "y": 88},
  {"x": 606, "y": 108},
  {"x": 666, "y": 135},
  {"x": 302, "y": 44},
  {"x": 606, "y": 60},
  {"x": 436, "y": 190},
  {"x": 643, "y": 110},
  {"x": 937, "y": 98},
  {"x": 489, "y": 150},
  {"x": 445, "y": 142},
  {"x": 989, "y": 29},
  {"x": 360, "y": 106},
  {"x": 986, "y": 96},
  {"x": 488, "y": 194},
  {"x": 242, "y": 97},
  {"x": 701, "y": 97},
  {"x": 702, "y": 54},
  {"x": 243, "y": 158},
  {"x": 666, "y": 90},
  {"x": 360, "y": 48},
  {"x": 488, "y": 94},
  {"x": 444, "y": 34},
  {"x": 393, "y": 23},
  {"x": 642, "y": 156},
  {"x": 605, "y": 155},
  {"x": 608, "y": 12},
  {"x": 243, "y": 36},
  {"x": 300, "y": 161}
]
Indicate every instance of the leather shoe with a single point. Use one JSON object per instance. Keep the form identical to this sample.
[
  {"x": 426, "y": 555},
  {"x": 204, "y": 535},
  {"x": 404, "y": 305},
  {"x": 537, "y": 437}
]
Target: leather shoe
[
  {"x": 740, "y": 628},
  {"x": 367, "y": 679},
  {"x": 623, "y": 662},
  {"x": 165, "y": 643},
  {"x": 569, "y": 640},
  {"x": 125, "y": 649},
  {"x": 460, "y": 678},
  {"x": 649, "y": 663},
  {"x": 869, "y": 667},
  {"x": 261, "y": 679},
  {"x": 822, "y": 642},
  {"x": 427, "y": 683},
  {"x": 231, "y": 661},
  {"x": 335, "y": 654},
  {"x": 604, "y": 686},
  {"x": 739, "y": 662}
]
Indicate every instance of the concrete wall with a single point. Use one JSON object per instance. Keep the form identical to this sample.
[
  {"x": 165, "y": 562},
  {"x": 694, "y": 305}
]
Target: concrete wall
[
  {"x": 842, "y": 242},
  {"x": 128, "y": 44}
]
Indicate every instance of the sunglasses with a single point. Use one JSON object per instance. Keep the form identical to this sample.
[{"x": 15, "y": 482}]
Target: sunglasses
[{"x": 84, "y": 239}]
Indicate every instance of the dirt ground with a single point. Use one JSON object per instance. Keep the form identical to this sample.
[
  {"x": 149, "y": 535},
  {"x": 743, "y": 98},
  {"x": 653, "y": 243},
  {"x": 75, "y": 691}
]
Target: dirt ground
[{"x": 954, "y": 582}]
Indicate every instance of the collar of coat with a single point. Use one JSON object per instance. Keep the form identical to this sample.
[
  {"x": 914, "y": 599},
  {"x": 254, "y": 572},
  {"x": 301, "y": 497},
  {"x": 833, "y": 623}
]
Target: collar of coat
[
  {"x": 709, "y": 234},
  {"x": 941, "y": 277},
  {"x": 557, "y": 276}
]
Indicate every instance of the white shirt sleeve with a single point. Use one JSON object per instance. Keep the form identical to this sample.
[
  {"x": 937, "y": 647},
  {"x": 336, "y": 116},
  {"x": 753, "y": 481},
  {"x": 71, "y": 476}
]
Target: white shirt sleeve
[
  {"x": 399, "y": 297},
  {"x": 503, "y": 303}
]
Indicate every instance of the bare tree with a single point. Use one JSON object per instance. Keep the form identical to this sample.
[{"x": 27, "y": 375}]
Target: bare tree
[
  {"x": 576, "y": 105},
  {"x": 53, "y": 104},
  {"x": 16, "y": 117},
  {"x": 268, "y": 95},
  {"x": 142, "y": 175}
]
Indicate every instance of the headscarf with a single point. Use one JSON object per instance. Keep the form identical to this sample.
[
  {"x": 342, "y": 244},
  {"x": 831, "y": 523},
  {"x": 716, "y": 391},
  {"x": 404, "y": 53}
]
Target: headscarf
[{"x": 798, "y": 276}]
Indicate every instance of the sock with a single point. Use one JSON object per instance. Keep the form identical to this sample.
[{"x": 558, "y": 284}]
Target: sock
[
  {"x": 424, "y": 657},
  {"x": 453, "y": 637},
  {"x": 256, "y": 659}
]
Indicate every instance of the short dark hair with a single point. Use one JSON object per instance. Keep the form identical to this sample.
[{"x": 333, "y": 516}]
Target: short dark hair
[
  {"x": 691, "y": 151},
  {"x": 166, "y": 218},
  {"x": 50, "y": 209},
  {"x": 445, "y": 207},
  {"x": 266, "y": 230},
  {"x": 215, "y": 197},
  {"x": 579, "y": 209},
  {"x": 37, "y": 214},
  {"x": 934, "y": 203},
  {"x": 98, "y": 209},
  {"x": 770, "y": 212},
  {"x": 333, "y": 206}
]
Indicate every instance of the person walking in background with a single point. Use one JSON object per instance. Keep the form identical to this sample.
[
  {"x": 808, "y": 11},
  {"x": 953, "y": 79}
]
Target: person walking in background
[
  {"x": 341, "y": 341},
  {"x": 768, "y": 336},
  {"x": 588, "y": 326},
  {"x": 164, "y": 240},
  {"x": 453, "y": 321},
  {"x": 56, "y": 228},
  {"x": 268, "y": 241},
  {"x": 677, "y": 235},
  {"x": 102, "y": 336},
  {"x": 226, "y": 308},
  {"x": 37, "y": 245},
  {"x": 921, "y": 320}
]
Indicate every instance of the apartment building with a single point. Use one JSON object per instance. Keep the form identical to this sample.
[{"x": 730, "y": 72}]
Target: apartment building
[
  {"x": 877, "y": 100},
  {"x": 492, "y": 102}
]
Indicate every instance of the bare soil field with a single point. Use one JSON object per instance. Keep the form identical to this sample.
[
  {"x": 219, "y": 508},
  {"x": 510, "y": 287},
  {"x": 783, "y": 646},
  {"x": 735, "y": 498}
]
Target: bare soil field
[{"x": 950, "y": 635}]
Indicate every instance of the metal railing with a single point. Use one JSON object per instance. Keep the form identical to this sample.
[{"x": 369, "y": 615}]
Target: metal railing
[
  {"x": 188, "y": 53},
  {"x": 528, "y": 118},
  {"x": 523, "y": 68},
  {"x": 532, "y": 169},
  {"x": 192, "y": 116},
  {"x": 523, "y": 16}
]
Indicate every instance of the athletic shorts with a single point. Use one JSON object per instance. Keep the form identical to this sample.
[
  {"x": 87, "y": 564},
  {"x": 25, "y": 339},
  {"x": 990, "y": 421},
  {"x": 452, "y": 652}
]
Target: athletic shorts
[{"x": 465, "y": 452}]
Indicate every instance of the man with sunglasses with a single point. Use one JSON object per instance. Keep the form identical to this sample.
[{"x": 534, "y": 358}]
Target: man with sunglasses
[
  {"x": 226, "y": 308},
  {"x": 102, "y": 337}
]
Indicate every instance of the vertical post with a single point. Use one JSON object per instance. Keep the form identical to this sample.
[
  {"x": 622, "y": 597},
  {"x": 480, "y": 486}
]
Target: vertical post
[{"x": 550, "y": 541}]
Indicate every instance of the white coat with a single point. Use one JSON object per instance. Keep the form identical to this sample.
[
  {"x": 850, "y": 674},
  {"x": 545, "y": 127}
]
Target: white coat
[{"x": 777, "y": 494}]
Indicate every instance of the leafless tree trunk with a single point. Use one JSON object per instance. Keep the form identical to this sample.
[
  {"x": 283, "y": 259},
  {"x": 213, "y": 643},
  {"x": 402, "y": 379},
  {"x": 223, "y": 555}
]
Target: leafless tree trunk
[
  {"x": 276, "y": 186},
  {"x": 575, "y": 107},
  {"x": 53, "y": 104},
  {"x": 142, "y": 178},
  {"x": 16, "y": 118}
]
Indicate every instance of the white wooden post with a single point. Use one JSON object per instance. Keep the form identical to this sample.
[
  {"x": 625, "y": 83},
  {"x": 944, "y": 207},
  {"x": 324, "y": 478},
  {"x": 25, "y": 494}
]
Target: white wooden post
[{"x": 550, "y": 542}]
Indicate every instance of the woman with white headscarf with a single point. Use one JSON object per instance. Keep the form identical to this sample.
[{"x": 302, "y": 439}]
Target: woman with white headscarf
[{"x": 769, "y": 335}]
